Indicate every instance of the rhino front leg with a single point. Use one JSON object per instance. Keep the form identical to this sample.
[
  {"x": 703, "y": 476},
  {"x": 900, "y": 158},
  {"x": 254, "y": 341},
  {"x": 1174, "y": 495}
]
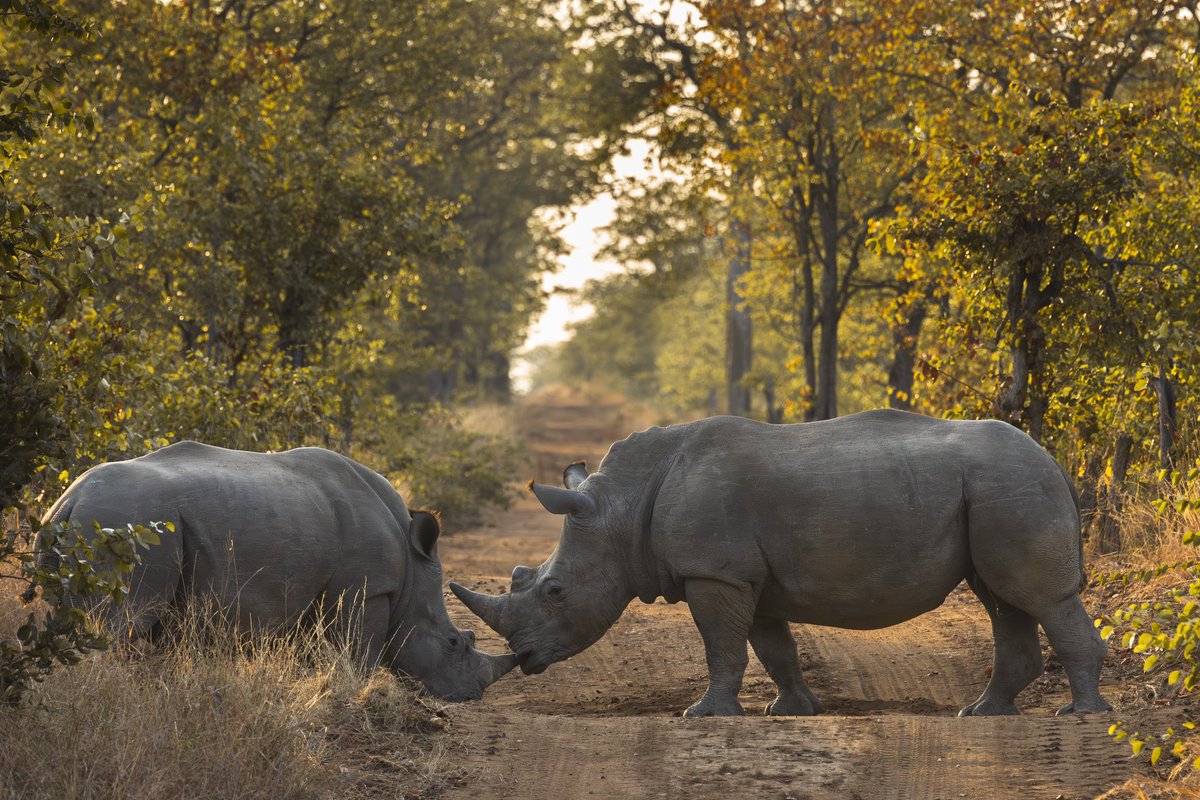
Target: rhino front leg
[
  {"x": 723, "y": 613},
  {"x": 775, "y": 647}
]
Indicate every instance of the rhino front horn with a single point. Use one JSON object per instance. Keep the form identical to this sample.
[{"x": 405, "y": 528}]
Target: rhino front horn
[
  {"x": 487, "y": 607},
  {"x": 501, "y": 666}
]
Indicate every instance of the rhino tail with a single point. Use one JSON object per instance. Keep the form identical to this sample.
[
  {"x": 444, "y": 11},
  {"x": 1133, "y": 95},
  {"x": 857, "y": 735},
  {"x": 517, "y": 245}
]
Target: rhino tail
[{"x": 1083, "y": 578}]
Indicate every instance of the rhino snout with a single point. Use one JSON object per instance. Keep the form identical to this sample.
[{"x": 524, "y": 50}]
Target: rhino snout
[
  {"x": 480, "y": 671},
  {"x": 530, "y": 664}
]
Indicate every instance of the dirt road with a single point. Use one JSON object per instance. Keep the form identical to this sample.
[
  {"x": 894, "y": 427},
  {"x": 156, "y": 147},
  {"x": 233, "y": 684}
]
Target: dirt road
[{"x": 606, "y": 724}]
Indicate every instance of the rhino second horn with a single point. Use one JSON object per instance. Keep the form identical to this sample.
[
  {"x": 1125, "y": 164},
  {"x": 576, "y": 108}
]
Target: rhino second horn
[
  {"x": 562, "y": 501},
  {"x": 487, "y": 607}
]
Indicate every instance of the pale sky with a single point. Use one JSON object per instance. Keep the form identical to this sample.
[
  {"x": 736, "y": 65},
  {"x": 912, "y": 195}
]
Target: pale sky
[{"x": 580, "y": 265}]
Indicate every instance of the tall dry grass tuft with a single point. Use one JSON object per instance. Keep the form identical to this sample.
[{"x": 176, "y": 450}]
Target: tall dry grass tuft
[
  {"x": 211, "y": 715},
  {"x": 1150, "y": 532}
]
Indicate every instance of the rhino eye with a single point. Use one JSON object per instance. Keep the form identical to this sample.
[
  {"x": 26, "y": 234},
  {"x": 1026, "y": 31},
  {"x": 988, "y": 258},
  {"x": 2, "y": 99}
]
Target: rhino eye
[
  {"x": 555, "y": 592},
  {"x": 453, "y": 641}
]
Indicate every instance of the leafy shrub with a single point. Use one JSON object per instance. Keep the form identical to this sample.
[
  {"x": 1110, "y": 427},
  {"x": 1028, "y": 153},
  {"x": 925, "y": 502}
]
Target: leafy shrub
[
  {"x": 447, "y": 467},
  {"x": 81, "y": 569}
]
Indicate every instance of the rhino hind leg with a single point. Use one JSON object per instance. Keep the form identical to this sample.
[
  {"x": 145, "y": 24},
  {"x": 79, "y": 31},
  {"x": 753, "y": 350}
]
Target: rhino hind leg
[
  {"x": 775, "y": 647},
  {"x": 1017, "y": 656},
  {"x": 1081, "y": 651},
  {"x": 723, "y": 613}
]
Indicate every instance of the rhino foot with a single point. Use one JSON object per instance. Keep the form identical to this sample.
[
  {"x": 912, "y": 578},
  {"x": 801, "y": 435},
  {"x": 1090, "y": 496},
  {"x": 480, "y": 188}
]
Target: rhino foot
[
  {"x": 1090, "y": 708},
  {"x": 794, "y": 705},
  {"x": 707, "y": 706},
  {"x": 990, "y": 708}
]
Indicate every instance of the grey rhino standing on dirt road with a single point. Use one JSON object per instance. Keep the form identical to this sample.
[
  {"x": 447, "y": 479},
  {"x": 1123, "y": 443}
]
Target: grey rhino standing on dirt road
[
  {"x": 284, "y": 538},
  {"x": 860, "y": 522}
]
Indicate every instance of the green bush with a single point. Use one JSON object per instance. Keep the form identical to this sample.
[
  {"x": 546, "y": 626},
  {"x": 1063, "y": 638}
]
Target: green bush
[
  {"x": 77, "y": 570},
  {"x": 448, "y": 468}
]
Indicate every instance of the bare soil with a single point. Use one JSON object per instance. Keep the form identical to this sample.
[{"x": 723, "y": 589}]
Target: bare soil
[{"x": 606, "y": 723}]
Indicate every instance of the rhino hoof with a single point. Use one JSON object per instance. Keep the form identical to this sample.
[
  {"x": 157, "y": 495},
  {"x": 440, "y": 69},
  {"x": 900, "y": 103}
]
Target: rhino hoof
[
  {"x": 797, "y": 706},
  {"x": 990, "y": 708},
  {"x": 1091, "y": 708},
  {"x": 706, "y": 707}
]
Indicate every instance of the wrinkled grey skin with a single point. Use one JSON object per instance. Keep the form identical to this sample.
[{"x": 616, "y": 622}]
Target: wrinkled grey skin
[
  {"x": 278, "y": 539},
  {"x": 860, "y": 522}
]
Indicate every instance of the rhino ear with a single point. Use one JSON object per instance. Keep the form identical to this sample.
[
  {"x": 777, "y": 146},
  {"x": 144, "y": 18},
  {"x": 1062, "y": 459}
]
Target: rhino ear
[
  {"x": 424, "y": 532},
  {"x": 575, "y": 474},
  {"x": 562, "y": 501}
]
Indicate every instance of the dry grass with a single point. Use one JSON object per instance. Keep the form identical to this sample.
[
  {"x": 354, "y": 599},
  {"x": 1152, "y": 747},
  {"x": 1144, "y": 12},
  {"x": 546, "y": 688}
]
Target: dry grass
[{"x": 212, "y": 716}]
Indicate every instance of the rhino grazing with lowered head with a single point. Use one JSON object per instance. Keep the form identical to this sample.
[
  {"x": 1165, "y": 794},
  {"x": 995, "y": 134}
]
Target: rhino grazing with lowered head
[
  {"x": 860, "y": 522},
  {"x": 280, "y": 539}
]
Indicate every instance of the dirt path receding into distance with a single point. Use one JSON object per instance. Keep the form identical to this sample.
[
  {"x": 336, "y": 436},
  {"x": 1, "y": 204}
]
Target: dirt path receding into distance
[{"x": 605, "y": 723}]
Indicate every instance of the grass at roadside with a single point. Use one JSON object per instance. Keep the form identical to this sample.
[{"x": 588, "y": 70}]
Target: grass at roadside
[{"x": 210, "y": 716}]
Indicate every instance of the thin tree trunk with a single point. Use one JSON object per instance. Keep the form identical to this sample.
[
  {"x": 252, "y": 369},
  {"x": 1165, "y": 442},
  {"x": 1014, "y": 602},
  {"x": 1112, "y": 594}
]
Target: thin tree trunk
[
  {"x": 1167, "y": 426},
  {"x": 827, "y": 218},
  {"x": 1107, "y": 521},
  {"x": 739, "y": 352},
  {"x": 774, "y": 413},
  {"x": 904, "y": 356},
  {"x": 1025, "y": 401},
  {"x": 804, "y": 297}
]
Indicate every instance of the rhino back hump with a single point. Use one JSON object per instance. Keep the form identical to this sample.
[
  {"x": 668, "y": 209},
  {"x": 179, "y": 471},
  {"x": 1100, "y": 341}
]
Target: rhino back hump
[{"x": 265, "y": 533}]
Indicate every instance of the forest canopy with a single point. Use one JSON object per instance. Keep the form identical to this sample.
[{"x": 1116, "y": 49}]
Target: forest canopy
[{"x": 263, "y": 223}]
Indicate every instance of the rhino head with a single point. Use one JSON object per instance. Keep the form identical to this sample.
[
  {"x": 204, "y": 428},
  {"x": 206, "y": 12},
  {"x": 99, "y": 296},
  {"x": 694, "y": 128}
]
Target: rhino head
[
  {"x": 427, "y": 645},
  {"x": 565, "y": 605}
]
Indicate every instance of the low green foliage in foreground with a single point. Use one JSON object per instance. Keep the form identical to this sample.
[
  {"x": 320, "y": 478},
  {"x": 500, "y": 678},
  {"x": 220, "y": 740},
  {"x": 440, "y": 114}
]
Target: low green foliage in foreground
[
  {"x": 1164, "y": 630},
  {"x": 83, "y": 569}
]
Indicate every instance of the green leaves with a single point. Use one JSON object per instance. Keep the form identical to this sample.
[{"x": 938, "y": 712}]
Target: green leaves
[
  {"x": 78, "y": 569},
  {"x": 1166, "y": 635}
]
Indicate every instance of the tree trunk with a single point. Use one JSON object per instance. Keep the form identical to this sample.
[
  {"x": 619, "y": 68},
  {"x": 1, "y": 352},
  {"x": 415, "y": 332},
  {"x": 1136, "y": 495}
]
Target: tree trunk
[
  {"x": 291, "y": 325},
  {"x": 804, "y": 297},
  {"x": 1025, "y": 400},
  {"x": 739, "y": 351},
  {"x": 1164, "y": 387},
  {"x": 826, "y": 201},
  {"x": 904, "y": 356},
  {"x": 774, "y": 413},
  {"x": 1107, "y": 521}
]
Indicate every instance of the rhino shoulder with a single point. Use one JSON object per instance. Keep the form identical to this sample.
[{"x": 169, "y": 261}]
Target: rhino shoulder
[{"x": 388, "y": 495}]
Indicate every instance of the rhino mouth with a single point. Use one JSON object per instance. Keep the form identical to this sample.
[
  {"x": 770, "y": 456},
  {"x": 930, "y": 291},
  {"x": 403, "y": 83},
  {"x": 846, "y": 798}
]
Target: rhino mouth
[{"x": 531, "y": 665}]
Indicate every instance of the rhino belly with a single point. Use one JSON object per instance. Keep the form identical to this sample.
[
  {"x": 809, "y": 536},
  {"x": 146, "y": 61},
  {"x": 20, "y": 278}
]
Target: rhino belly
[
  {"x": 250, "y": 577},
  {"x": 874, "y": 585}
]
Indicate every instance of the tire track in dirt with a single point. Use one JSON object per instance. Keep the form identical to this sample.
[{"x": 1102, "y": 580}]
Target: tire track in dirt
[
  {"x": 604, "y": 724},
  {"x": 914, "y": 666}
]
